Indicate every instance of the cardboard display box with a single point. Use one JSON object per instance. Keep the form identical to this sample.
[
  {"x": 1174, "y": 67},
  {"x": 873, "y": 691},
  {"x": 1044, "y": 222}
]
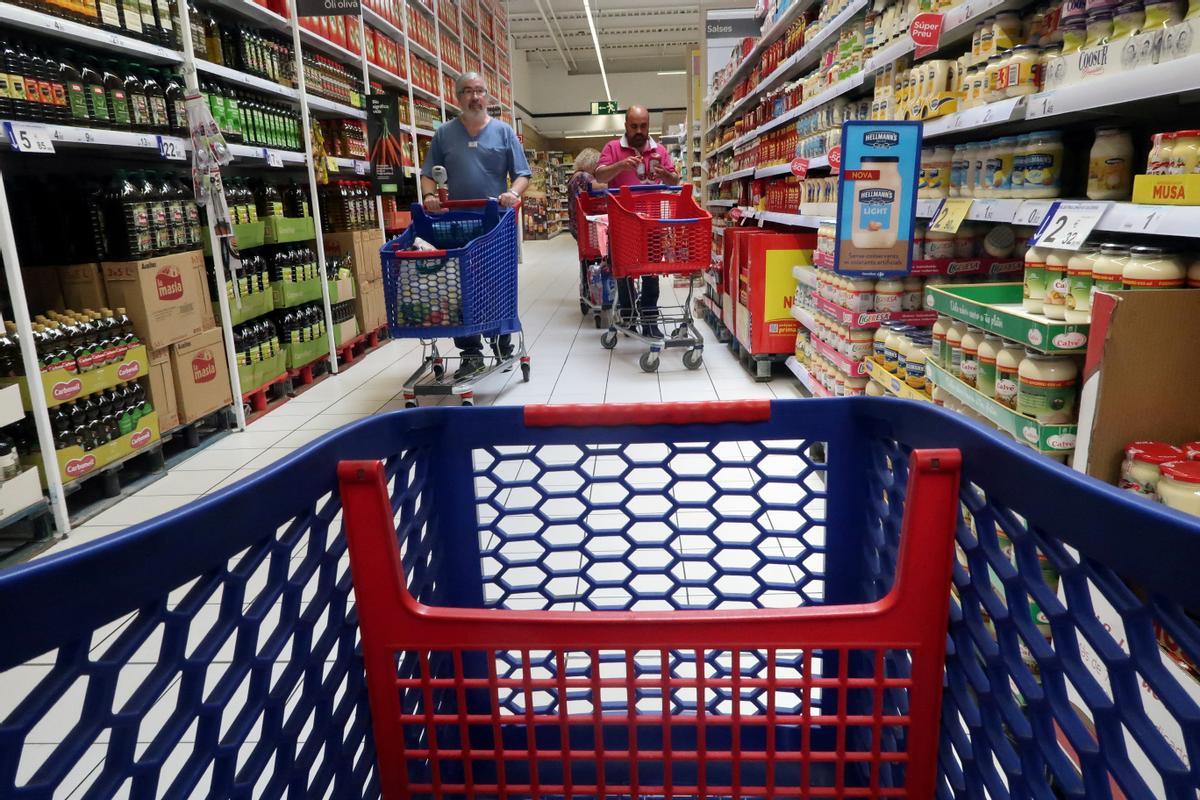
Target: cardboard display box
[
  {"x": 61, "y": 383},
  {"x": 83, "y": 286},
  {"x": 164, "y": 296},
  {"x": 74, "y": 462},
  {"x": 161, "y": 386},
  {"x": 363, "y": 249},
  {"x": 369, "y": 307},
  {"x": 201, "y": 375},
  {"x": 765, "y": 290},
  {"x": 42, "y": 288}
]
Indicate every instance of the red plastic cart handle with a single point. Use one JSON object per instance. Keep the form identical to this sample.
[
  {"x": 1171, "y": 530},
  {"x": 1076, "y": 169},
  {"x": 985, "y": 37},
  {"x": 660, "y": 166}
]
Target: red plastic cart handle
[
  {"x": 483, "y": 201},
  {"x": 610, "y": 414}
]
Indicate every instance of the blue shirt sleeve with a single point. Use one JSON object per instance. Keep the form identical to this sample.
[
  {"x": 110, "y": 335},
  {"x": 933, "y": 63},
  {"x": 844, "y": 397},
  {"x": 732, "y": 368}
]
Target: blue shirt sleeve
[
  {"x": 434, "y": 156},
  {"x": 519, "y": 166}
]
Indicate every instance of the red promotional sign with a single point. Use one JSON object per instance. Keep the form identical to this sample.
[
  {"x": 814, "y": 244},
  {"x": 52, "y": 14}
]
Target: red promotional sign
[
  {"x": 926, "y": 32},
  {"x": 800, "y": 167},
  {"x": 835, "y": 157},
  {"x": 735, "y": 214}
]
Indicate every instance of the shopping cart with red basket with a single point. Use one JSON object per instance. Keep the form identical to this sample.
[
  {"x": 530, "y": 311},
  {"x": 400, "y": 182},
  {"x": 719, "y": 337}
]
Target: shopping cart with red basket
[
  {"x": 454, "y": 274},
  {"x": 596, "y": 287},
  {"x": 747, "y": 599},
  {"x": 657, "y": 230}
]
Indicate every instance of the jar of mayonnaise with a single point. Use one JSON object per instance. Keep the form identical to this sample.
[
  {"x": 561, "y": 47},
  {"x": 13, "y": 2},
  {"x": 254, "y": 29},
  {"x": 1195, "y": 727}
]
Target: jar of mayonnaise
[
  {"x": 914, "y": 365},
  {"x": 1193, "y": 275},
  {"x": 879, "y": 341},
  {"x": 1185, "y": 156},
  {"x": 873, "y": 389},
  {"x": 964, "y": 241},
  {"x": 1022, "y": 71},
  {"x": 1140, "y": 469},
  {"x": 938, "y": 245},
  {"x": 937, "y": 350},
  {"x": 1006, "y": 150},
  {"x": 1179, "y": 486},
  {"x": 1033, "y": 295},
  {"x": 1109, "y": 268},
  {"x": 1153, "y": 268},
  {"x": 891, "y": 347},
  {"x": 1055, "y": 304},
  {"x": 1110, "y": 165},
  {"x": 939, "y": 396},
  {"x": 1008, "y": 364},
  {"x": 889, "y": 294},
  {"x": 861, "y": 295},
  {"x": 992, "y": 90},
  {"x": 914, "y": 290},
  {"x": 989, "y": 349},
  {"x": 1079, "y": 283},
  {"x": 969, "y": 365},
  {"x": 856, "y": 387},
  {"x": 1128, "y": 20},
  {"x": 1043, "y": 161},
  {"x": 1046, "y": 387},
  {"x": 859, "y": 343}
]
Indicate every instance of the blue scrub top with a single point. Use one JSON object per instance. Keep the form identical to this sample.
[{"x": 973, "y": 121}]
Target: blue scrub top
[{"x": 476, "y": 166}]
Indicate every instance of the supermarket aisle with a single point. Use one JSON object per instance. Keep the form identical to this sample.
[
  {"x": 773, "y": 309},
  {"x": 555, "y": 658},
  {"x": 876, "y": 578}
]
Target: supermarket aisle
[{"x": 568, "y": 366}]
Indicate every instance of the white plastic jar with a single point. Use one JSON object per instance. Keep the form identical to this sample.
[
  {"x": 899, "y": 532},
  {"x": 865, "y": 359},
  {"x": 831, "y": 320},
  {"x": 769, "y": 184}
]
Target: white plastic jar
[
  {"x": 968, "y": 367},
  {"x": 889, "y": 294},
  {"x": 914, "y": 289},
  {"x": 1179, "y": 487},
  {"x": 1079, "y": 284},
  {"x": 1033, "y": 295},
  {"x": 855, "y": 387},
  {"x": 1042, "y": 162},
  {"x": 1153, "y": 268},
  {"x": 1193, "y": 275},
  {"x": 1055, "y": 304},
  {"x": 873, "y": 389},
  {"x": 1047, "y": 388},
  {"x": 939, "y": 395},
  {"x": 938, "y": 245},
  {"x": 859, "y": 343},
  {"x": 1022, "y": 71},
  {"x": 964, "y": 240},
  {"x": 879, "y": 342},
  {"x": 1109, "y": 268},
  {"x": 861, "y": 295},
  {"x": 1008, "y": 364},
  {"x": 989, "y": 349},
  {"x": 1140, "y": 469},
  {"x": 1110, "y": 165},
  {"x": 937, "y": 350},
  {"x": 914, "y": 365},
  {"x": 954, "y": 337}
]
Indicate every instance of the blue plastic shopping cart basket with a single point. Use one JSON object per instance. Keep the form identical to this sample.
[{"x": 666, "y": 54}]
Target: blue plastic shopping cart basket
[{"x": 215, "y": 651}]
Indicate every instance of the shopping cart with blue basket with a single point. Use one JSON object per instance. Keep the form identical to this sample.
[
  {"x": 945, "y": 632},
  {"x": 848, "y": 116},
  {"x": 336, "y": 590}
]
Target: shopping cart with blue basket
[
  {"x": 638, "y": 601},
  {"x": 449, "y": 275},
  {"x": 656, "y": 230}
]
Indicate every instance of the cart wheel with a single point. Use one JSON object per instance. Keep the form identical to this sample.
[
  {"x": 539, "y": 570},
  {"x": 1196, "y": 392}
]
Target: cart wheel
[
  {"x": 678, "y": 332},
  {"x": 410, "y": 403},
  {"x": 648, "y": 362},
  {"x": 438, "y": 371},
  {"x": 466, "y": 402},
  {"x": 596, "y": 319},
  {"x": 525, "y": 373},
  {"x": 692, "y": 359},
  {"x": 583, "y": 308},
  {"x": 608, "y": 340}
]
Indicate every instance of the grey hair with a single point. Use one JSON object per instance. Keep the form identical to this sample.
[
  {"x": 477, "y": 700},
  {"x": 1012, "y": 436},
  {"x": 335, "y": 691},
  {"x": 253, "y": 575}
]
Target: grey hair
[
  {"x": 587, "y": 160},
  {"x": 462, "y": 79}
]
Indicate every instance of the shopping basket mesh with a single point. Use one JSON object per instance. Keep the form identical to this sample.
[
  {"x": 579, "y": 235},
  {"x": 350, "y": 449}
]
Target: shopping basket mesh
[
  {"x": 658, "y": 233},
  {"x": 587, "y": 240},
  {"x": 214, "y": 652},
  {"x": 471, "y": 289}
]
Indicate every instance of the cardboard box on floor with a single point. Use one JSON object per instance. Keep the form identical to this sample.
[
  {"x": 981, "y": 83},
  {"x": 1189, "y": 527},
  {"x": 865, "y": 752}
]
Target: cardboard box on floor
[
  {"x": 161, "y": 385},
  {"x": 363, "y": 249},
  {"x": 1140, "y": 379},
  {"x": 83, "y": 286},
  {"x": 201, "y": 375},
  {"x": 163, "y": 296},
  {"x": 369, "y": 307}
]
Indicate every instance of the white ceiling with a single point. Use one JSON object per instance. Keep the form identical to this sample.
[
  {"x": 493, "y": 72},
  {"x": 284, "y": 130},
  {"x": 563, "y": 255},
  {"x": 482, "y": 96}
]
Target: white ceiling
[{"x": 633, "y": 39}]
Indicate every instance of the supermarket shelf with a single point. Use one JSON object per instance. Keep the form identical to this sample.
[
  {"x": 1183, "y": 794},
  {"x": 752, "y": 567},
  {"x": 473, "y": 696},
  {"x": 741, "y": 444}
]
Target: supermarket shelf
[
  {"x": 795, "y": 220},
  {"x": 453, "y": 34},
  {"x": 722, "y": 148},
  {"x": 805, "y": 377},
  {"x": 735, "y": 176},
  {"x": 245, "y": 79},
  {"x": 1179, "y": 76},
  {"x": 855, "y": 369},
  {"x": 725, "y": 203},
  {"x": 386, "y": 76},
  {"x": 249, "y": 151},
  {"x": 253, "y": 11},
  {"x": 958, "y": 23},
  {"x": 418, "y": 49},
  {"x": 379, "y": 23},
  {"x": 836, "y": 90},
  {"x": 426, "y": 94},
  {"x": 984, "y": 116},
  {"x": 996, "y": 308},
  {"x": 1045, "y": 438},
  {"x": 805, "y": 276},
  {"x": 820, "y": 162},
  {"x": 423, "y": 132},
  {"x": 1120, "y": 217},
  {"x": 100, "y": 137},
  {"x": 790, "y": 15},
  {"x": 66, "y": 30},
  {"x": 873, "y": 319},
  {"x": 810, "y": 53},
  {"x": 353, "y": 165},
  {"x": 313, "y": 40},
  {"x": 892, "y": 384},
  {"x": 335, "y": 108}
]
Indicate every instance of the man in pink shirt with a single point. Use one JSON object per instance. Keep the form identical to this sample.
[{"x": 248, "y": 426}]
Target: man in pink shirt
[{"x": 636, "y": 158}]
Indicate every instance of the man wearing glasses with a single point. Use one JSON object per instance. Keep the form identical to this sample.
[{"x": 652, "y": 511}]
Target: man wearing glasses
[{"x": 481, "y": 155}]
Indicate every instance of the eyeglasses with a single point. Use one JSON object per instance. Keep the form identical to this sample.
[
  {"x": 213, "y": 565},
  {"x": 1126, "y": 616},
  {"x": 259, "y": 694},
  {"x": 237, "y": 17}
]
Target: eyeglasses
[{"x": 476, "y": 92}]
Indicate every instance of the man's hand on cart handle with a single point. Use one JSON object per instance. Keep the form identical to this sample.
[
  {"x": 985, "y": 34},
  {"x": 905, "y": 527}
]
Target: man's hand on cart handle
[
  {"x": 510, "y": 199},
  {"x": 432, "y": 203}
]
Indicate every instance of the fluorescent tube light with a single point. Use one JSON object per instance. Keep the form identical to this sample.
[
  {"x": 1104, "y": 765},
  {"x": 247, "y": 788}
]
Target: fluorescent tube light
[{"x": 587, "y": 7}]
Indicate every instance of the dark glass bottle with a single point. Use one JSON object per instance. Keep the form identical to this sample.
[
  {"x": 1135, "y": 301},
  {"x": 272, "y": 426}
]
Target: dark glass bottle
[
  {"x": 176, "y": 104},
  {"x": 118, "y": 99},
  {"x": 139, "y": 104},
  {"x": 156, "y": 100}
]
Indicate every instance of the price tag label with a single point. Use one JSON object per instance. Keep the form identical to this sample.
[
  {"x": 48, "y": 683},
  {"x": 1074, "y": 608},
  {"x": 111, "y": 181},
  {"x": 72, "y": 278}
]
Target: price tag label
[
  {"x": 1141, "y": 218},
  {"x": 272, "y": 157},
  {"x": 30, "y": 138},
  {"x": 950, "y": 214},
  {"x": 360, "y": 167},
  {"x": 800, "y": 167},
  {"x": 1068, "y": 225},
  {"x": 1032, "y": 212},
  {"x": 171, "y": 149},
  {"x": 735, "y": 213},
  {"x": 835, "y": 158},
  {"x": 993, "y": 210},
  {"x": 331, "y": 163},
  {"x": 1041, "y": 106}
]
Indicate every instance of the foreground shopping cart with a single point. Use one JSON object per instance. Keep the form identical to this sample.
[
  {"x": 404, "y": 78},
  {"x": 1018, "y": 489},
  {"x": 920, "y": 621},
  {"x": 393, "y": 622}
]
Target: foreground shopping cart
[
  {"x": 596, "y": 287},
  {"x": 659, "y": 231},
  {"x": 217, "y": 651},
  {"x": 466, "y": 286}
]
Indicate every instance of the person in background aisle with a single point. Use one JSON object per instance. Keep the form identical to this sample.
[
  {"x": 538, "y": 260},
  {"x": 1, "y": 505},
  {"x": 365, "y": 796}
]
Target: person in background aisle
[
  {"x": 636, "y": 158},
  {"x": 481, "y": 155},
  {"x": 581, "y": 181}
]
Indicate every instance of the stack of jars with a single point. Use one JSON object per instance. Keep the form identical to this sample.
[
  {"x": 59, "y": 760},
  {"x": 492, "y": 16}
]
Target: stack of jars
[
  {"x": 1059, "y": 284},
  {"x": 971, "y": 241},
  {"x": 1164, "y": 472},
  {"x": 864, "y": 295},
  {"x": 825, "y": 372},
  {"x": 1041, "y": 386},
  {"x": 903, "y": 350}
]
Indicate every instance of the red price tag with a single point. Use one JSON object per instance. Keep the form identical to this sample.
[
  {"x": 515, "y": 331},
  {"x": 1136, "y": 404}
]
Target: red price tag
[
  {"x": 926, "y": 33},
  {"x": 835, "y": 158},
  {"x": 735, "y": 214},
  {"x": 800, "y": 167}
]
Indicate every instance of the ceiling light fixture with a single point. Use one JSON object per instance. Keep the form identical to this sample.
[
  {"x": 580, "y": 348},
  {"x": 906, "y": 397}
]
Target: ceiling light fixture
[
  {"x": 674, "y": 72},
  {"x": 587, "y": 7}
]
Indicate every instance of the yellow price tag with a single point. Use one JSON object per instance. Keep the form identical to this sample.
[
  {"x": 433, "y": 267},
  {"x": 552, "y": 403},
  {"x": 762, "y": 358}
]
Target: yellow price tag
[
  {"x": 950, "y": 214},
  {"x": 331, "y": 164}
]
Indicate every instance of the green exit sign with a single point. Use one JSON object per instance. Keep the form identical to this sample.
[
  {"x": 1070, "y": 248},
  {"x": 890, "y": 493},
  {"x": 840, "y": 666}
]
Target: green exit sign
[{"x": 604, "y": 106}]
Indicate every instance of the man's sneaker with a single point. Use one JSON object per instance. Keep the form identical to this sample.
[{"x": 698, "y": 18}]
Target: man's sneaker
[
  {"x": 652, "y": 331},
  {"x": 469, "y": 366}
]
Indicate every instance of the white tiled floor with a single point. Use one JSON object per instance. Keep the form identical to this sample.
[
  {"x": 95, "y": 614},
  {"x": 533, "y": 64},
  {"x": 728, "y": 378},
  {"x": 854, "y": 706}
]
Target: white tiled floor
[{"x": 568, "y": 366}]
